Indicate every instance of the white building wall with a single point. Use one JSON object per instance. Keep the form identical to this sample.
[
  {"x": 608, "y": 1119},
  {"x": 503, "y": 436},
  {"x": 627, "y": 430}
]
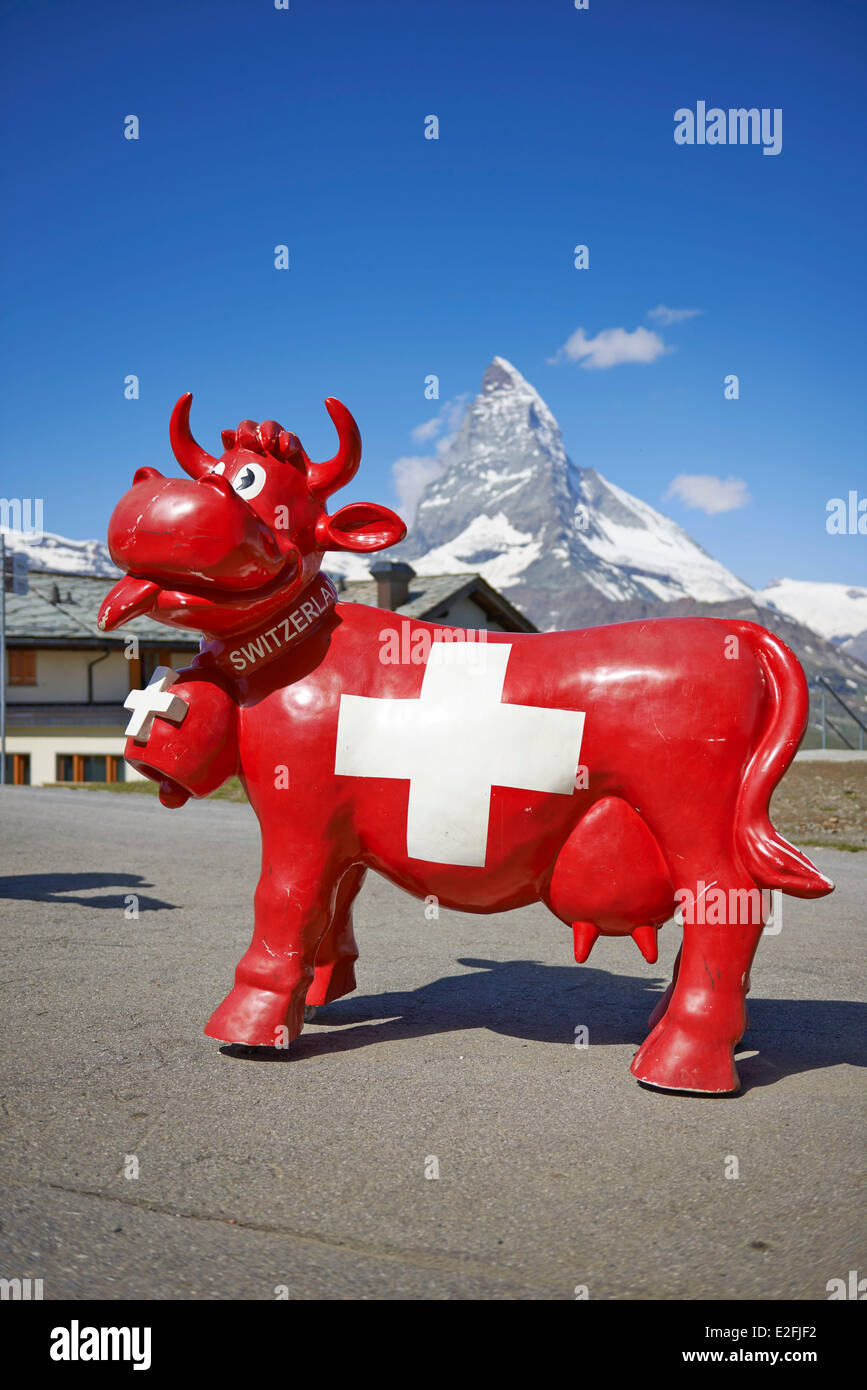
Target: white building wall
[
  {"x": 43, "y": 745},
  {"x": 111, "y": 678},
  {"x": 467, "y": 613},
  {"x": 61, "y": 676}
]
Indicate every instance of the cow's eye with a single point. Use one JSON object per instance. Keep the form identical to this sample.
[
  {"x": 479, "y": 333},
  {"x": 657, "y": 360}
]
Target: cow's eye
[{"x": 250, "y": 481}]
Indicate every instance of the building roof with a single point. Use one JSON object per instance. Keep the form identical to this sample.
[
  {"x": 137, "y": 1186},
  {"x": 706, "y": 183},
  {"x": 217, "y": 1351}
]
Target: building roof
[
  {"x": 432, "y": 595},
  {"x": 61, "y": 609},
  {"x": 38, "y": 617}
]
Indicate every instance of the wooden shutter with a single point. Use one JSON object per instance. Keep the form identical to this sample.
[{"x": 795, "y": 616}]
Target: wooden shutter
[{"x": 22, "y": 666}]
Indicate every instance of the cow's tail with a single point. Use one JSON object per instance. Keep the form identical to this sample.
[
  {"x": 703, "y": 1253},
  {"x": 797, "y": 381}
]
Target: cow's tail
[{"x": 771, "y": 861}]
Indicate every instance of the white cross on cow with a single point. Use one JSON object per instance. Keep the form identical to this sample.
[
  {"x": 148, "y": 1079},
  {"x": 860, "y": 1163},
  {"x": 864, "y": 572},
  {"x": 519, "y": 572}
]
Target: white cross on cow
[
  {"x": 152, "y": 701},
  {"x": 454, "y": 743}
]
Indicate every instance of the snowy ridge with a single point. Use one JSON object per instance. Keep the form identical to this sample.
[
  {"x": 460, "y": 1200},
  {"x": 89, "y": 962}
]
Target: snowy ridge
[
  {"x": 51, "y": 552},
  {"x": 671, "y": 564},
  {"x": 836, "y": 611}
]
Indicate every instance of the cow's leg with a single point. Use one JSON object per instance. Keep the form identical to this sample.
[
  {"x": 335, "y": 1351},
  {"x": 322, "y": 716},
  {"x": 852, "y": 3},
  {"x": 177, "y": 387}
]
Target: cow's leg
[
  {"x": 334, "y": 973},
  {"x": 664, "y": 999},
  {"x": 294, "y": 907},
  {"x": 691, "y": 1046}
]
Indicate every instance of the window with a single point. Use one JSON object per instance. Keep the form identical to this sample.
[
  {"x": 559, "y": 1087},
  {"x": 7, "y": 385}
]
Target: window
[
  {"x": 151, "y": 658},
  {"x": 22, "y": 666},
  {"x": 18, "y": 769},
  {"x": 68, "y": 768},
  {"x": 90, "y": 767}
]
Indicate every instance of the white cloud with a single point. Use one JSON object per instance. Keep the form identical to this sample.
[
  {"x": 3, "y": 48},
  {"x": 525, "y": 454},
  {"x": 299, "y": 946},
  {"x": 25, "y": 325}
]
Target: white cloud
[
  {"x": 667, "y": 316},
  {"x": 411, "y": 475},
  {"x": 612, "y": 347},
  {"x": 706, "y": 493},
  {"x": 448, "y": 419},
  {"x": 428, "y": 429}
]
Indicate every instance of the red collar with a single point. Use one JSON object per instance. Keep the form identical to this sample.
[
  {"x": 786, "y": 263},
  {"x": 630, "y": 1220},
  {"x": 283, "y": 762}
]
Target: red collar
[{"x": 251, "y": 650}]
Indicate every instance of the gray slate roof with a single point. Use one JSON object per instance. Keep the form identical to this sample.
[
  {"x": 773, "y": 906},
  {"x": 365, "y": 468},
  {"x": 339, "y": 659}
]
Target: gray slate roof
[
  {"x": 431, "y": 593},
  {"x": 36, "y": 618}
]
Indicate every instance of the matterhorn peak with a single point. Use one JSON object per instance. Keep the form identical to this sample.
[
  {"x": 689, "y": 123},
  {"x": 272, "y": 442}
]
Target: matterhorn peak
[
  {"x": 504, "y": 389},
  {"x": 500, "y": 375},
  {"x": 509, "y": 503}
]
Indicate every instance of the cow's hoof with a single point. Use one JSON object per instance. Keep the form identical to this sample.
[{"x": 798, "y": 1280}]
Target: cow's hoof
[
  {"x": 676, "y": 1060},
  {"x": 257, "y": 1017}
]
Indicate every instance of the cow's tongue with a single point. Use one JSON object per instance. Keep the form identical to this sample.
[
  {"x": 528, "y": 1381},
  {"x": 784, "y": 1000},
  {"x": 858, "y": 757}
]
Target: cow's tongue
[{"x": 127, "y": 599}]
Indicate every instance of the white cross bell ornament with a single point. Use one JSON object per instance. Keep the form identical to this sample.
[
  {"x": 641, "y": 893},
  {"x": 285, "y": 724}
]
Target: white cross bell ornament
[{"x": 152, "y": 701}]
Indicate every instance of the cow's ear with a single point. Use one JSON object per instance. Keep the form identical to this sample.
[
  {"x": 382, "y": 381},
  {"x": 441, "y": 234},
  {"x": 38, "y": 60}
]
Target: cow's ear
[{"x": 360, "y": 526}]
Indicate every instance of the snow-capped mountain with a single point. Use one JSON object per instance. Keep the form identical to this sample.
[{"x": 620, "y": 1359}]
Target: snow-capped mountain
[
  {"x": 51, "y": 552},
  {"x": 566, "y": 545},
  {"x": 837, "y": 611},
  {"x": 510, "y": 504}
]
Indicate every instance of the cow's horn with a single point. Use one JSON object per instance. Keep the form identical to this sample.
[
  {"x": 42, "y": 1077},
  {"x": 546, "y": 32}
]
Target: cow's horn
[
  {"x": 190, "y": 455},
  {"x": 325, "y": 478}
]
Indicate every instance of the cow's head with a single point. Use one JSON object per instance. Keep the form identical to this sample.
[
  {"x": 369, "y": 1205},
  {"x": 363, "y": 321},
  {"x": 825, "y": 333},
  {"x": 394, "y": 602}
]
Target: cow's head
[{"x": 241, "y": 540}]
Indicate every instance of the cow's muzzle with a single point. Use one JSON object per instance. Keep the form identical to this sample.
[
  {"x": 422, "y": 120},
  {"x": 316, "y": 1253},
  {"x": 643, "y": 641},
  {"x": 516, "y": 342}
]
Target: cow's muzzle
[{"x": 200, "y": 535}]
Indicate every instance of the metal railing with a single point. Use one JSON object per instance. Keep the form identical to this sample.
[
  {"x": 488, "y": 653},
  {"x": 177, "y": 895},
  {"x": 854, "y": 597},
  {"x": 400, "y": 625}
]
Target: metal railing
[{"x": 827, "y": 723}]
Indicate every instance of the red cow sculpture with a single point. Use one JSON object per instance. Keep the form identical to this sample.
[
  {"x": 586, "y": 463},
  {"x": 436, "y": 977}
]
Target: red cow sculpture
[{"x": 614, "y": 773}]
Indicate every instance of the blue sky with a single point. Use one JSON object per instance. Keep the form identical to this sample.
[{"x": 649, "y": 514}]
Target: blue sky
[{"x": 411, "y": 256}]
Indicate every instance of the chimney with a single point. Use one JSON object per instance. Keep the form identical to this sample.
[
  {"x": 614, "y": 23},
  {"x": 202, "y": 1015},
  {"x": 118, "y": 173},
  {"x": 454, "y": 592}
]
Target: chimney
[{"x": 392, "y": 583}]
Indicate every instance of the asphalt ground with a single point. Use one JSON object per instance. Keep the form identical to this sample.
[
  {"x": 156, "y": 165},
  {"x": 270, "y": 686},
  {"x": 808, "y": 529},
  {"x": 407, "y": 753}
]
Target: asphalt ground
[{"x": 307, "y": 1175}]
